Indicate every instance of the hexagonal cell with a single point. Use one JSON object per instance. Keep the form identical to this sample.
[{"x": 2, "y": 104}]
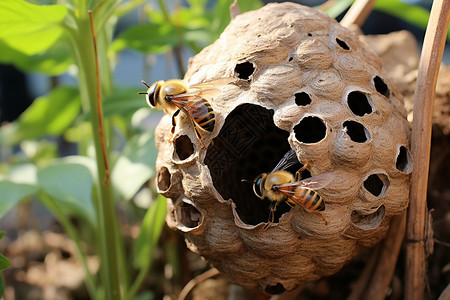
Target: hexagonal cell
[
  {"x": 163, "y": 180},
  {"x": 247, "y": 145},
  {"x": 403, "y": 161},
  {"x": 377, "y": 185},
  {"x": 381, "y": 86},
  {"x": 183, "y": 147},
  {"x": 311, "y": 129},
  {"x": 359, "y": 103},
  {"x": 357, "y": 132},
  {"x": 368, "y": 221}
]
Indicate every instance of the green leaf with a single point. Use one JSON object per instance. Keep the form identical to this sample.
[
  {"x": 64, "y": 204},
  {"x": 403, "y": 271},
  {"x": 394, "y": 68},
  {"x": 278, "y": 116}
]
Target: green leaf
[
  {"x": 48, "y": 115},
  {"x": 30, "y": 28},
  {"x": 4, "y": 262},
  {"x": 70, "y": 184},
  {"x": 23, "y": 174},
  {"x": 2, "y": 285},
  {"x": 54, "y": 61},
  {"x": 247, "y": 5},
  {"x": 410, "y": 13},
  {"x": 124, "y": 102},
  {"x": 135, "y": 166},
  {"x": 151, "y": 228},
  {"x": 11, "y": 193},
  {"x": 147, "y": 38},
  {"x": 338, "y": 8}
]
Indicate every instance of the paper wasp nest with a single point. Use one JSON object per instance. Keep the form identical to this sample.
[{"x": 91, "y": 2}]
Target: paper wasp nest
[{"x": 303, "y": 82}]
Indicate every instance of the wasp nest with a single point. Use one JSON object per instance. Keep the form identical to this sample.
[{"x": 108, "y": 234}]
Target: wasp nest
[{"x": 305, "y": 83}]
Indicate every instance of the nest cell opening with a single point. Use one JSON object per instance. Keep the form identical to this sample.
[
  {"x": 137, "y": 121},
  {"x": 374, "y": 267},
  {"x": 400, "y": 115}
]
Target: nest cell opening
[
  {"x": 247, "y": 145},
  {"x": 183, "y": 147},
  {"x": 358, "y": 103},
  {"x": 187, "y": 215},
  {"x": 377, "y": 185},
  {"x": 403, "y": 162},
  {"x": 342, "y": 44},
  {"x": 275, "y": 289},
  {"x": 302, "y": 99},
  {"x": 163, "y": 180},
  {"x": 368, "y": 221},
  {"x": 244, "y": 70},
  {"x": 381, "y": 86},
  {"x": 356, "y": 131},
  {"x": 311, "y": 129}
]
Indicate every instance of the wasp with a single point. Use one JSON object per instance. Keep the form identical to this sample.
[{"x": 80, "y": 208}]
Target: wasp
[
  {"x": 175, "y": 95},
  {"x": 280, "y": 185}
]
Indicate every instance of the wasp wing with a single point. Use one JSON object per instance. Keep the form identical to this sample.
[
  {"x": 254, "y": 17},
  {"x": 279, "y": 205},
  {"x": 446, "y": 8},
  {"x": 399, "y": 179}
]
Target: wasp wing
[
  {"x": 212, "y": 84},
  {"x": 192, "y": 104},
  {"x": 207, "y": 94},
  {"x": 288, "y": 160},
  {"x": 313, "y": 183}
]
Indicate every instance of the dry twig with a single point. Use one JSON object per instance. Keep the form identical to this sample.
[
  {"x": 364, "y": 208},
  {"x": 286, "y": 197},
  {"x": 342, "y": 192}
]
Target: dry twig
[
  {"x": 358, "y": 13},
  {"x": 430, "y": 60}
]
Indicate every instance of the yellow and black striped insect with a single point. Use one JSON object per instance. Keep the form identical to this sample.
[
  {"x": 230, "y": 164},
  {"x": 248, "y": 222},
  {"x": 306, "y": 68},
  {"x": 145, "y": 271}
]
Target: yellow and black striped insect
[
  {"x": 175, "y": 95},
  {"x": 281, "y": 185}
]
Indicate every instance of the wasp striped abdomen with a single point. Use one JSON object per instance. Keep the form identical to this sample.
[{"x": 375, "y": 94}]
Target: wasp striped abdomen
[{"x": 203, "y": 115}]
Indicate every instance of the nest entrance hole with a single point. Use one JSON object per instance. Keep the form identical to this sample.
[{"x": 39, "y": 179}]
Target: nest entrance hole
[
  {"x": 244, "y": 70},
  {"x": 381, "y": 86},
  {"x": 163, "y": 180},
  {"x": 248, "y": 144},
  {"x": 403, "y": 162},
  {"x": 275, "y": 289},
  {"x": 187, "y": 215},
  {"x": 359, "y": 103},
  {"x": 184, "y": 147},
  {"x": 311, "y": 129}
]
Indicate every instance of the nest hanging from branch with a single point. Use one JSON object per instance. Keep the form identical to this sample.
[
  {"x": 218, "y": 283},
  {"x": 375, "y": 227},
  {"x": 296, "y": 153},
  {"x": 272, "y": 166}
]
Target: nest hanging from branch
[{"x": 303, "y": 82}]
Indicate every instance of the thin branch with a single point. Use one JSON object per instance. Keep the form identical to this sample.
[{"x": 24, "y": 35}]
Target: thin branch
[
  {"x": 431, "y": 56},
  {"x": 99, "y": 104},
  {"x": 358, "y": 13},
  {"x": 196, "y": 280}
]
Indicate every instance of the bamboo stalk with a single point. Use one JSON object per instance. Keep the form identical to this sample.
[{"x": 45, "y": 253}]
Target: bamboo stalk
[
  {"x": 358, "y": 13},
  {"x": 430, "y": 60}
]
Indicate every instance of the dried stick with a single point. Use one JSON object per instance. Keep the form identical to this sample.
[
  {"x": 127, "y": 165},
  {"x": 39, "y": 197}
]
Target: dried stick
[
  {"x": 196, "y": 280},
  {"x": 430, "y": 60},
  {"x": 358, "y": 13}
]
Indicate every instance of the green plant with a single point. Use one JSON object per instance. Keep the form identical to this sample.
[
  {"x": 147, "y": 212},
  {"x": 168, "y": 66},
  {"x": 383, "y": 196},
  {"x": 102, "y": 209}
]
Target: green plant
[{"x": 115, "y": 155}]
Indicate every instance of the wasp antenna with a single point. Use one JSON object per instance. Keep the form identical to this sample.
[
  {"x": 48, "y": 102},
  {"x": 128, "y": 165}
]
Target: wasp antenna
[
  {"x": 142, "y": 93},
  {"x": 145, "y": 83},
  {"x": 246, "y": 180}
]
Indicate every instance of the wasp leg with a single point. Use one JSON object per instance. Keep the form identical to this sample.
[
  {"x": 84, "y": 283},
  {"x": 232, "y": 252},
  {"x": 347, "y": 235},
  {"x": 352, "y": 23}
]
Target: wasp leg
[
  {"x": 174, "y": 123},
  {"x": 199, "y": 136},
  {"x": 298, "y": 174},
  {"x": 323, "y": 217},
  {"x": 273, "y": 208}
]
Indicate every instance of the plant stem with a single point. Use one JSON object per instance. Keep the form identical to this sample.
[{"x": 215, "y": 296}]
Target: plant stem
[
  {"x": 430, "y": 60},
  {"x": 86, "y": 61},
  {"x": 70, "y": 230}
]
